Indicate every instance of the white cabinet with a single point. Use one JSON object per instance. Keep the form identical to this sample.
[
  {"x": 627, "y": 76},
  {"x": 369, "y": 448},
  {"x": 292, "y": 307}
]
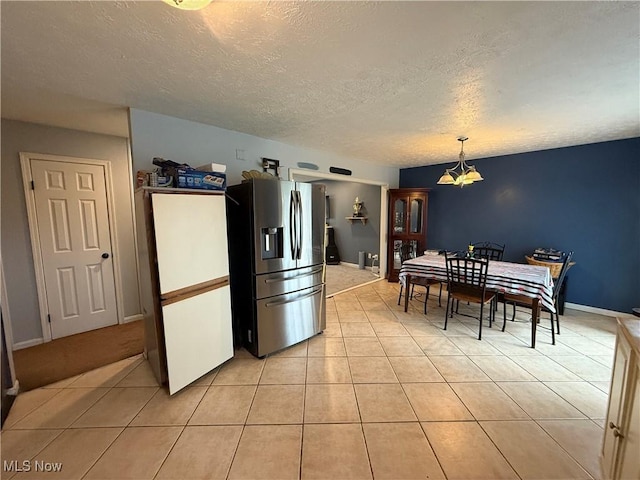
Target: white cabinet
[
  {"x": 184, "y": 282},
  {"x": 620, "y": 456}
]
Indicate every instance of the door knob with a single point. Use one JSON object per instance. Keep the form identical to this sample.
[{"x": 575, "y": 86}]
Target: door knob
[
  {"x": 105, "y": 255},
  {"x": 616, "y": 430}
]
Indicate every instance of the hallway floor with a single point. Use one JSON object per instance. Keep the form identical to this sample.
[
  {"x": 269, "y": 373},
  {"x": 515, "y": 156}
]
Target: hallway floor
[
  {"x": 343, "y": 277},
  {"x": 381, "y": 394}
]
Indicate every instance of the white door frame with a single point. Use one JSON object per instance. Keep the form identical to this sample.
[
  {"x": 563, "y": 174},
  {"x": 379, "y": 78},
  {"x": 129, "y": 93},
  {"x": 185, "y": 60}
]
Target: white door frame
[
  {"x": 384, "y": 189},
  {"x": 38, "y": 264},
  {"x": 8, "y": 331}
]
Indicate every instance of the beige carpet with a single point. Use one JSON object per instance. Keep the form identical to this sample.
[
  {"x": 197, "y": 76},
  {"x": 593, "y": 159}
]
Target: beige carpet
[{"x": 342, "y": 277}]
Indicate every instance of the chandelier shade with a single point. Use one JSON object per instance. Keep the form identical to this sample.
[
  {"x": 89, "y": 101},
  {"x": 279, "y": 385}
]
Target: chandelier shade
[{"x": 461, "y": 174}]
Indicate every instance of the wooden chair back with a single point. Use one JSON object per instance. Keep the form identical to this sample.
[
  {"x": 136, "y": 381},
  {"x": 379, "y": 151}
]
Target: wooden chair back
[
  {"x": 488, "y": 250},
  {"x": 406, "y": 252},
  {"x": 467, "y": 276},
  {"x": 563, "y": 272}
]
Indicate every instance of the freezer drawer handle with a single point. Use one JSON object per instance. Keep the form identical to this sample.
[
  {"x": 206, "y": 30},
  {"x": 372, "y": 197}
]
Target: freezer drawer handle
[
  {"x": 282, "y": 302},
  {"x": 300, "y": 275}
]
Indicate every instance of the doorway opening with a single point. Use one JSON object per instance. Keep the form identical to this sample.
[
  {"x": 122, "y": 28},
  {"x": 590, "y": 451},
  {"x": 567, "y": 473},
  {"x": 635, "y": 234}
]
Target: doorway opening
[{"x": 353, "y": 232}]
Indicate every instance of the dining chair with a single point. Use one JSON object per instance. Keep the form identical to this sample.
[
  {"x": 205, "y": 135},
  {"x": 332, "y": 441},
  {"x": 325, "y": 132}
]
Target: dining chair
[
  {"x": 466, "y": 281},
  {"x": 557, "y": 285},
  {"x": 406, "y": 253},
  {"x": 488, "y": 250}
]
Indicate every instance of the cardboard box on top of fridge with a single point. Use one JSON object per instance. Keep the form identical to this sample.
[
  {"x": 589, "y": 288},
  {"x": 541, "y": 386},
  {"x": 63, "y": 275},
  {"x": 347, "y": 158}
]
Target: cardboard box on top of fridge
[
  {"x": 191, "y": 178},
  {"x": 213, "y": 167}
]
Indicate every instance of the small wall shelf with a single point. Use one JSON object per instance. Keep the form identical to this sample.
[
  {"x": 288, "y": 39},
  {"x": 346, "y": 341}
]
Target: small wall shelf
[{"x": 362, "y": 219}]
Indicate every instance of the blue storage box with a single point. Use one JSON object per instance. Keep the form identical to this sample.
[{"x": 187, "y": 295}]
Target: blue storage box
[{"x": 190, "y": 178}]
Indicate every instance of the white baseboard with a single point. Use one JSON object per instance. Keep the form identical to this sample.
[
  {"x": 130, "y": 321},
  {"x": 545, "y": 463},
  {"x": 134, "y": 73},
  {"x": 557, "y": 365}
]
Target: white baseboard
[
  {"x": 28, "y": 343},
  {"x": 13, "y": 391},
  {"x": 355, "y": 265},
  {"x": 600, "y": 311},
  {"x": 347, "y": 264},
  {"x": 133, "y": 318}
]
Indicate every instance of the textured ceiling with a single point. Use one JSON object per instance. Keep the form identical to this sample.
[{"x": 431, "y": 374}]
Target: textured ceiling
[{"x": 389, "y": 82}]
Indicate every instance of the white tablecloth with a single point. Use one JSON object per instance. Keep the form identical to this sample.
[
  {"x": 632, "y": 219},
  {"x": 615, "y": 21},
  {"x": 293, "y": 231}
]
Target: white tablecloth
[{"x": 520, "y": 279}]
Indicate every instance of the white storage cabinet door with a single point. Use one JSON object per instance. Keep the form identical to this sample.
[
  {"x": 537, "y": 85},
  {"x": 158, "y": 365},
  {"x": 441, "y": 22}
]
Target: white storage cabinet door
[
  {"x": 191, "y": 239},
  {"x": 197, "y": 335}
]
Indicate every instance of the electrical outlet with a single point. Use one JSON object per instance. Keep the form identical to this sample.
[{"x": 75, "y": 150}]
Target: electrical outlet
[
  {"x": 239, "y": 154},
  {"x": 375, "y": 257},
  {"x": 369, "y": 257}
]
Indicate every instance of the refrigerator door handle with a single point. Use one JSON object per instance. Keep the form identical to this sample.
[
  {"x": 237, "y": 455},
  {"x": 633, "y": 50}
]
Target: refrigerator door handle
[
  {"x": 300, "y": 275},
  {"x": 292, "y": 225},
  {"x": 291, "y": 300},
  {"x": 300, "y": 223},
  {"x": 297, "y": 223}
]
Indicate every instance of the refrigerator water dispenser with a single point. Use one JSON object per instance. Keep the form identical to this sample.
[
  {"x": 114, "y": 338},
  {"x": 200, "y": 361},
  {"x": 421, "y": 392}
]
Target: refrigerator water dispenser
[{"x": 271, "y": 242}]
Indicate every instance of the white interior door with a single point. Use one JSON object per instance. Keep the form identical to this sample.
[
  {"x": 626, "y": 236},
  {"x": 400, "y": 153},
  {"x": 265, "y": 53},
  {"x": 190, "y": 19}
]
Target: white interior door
[
  {"x": 198, "y": 336},
  {"x": 75, "y": 242}
]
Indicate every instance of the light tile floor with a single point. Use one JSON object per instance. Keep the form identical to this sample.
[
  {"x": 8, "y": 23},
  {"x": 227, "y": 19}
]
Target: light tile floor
[{"x": 382, "y": 393}]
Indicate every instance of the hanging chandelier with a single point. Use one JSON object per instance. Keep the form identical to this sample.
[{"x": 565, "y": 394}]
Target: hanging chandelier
[
  {"x": 462, "y": 174},
  {"x": 188, "y": 4}
]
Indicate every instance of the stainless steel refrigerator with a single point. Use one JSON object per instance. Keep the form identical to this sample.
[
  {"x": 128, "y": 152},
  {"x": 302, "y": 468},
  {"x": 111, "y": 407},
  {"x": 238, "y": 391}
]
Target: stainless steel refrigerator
[{"x": 276, "y": 263}]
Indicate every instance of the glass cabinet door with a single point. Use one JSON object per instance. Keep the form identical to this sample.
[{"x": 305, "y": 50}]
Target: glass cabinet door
[
  {"x": 416, "y": 215},
  {"x": 407, "y": 226},
  {"x": 400, "y": 215}
]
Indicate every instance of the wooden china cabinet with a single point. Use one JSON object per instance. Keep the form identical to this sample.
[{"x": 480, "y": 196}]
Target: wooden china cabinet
[{"x": 407, "y": 225}]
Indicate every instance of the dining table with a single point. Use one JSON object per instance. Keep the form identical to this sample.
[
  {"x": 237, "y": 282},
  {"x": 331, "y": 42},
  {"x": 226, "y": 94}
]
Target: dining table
[{"x": 530, "y": 282}]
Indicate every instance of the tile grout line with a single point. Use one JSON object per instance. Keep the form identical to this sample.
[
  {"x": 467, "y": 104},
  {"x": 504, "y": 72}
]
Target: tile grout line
[
  {"x": 562, "y": 448},
  {"x": 184, "y": 427},
  {"x": 402, "y": 322}
]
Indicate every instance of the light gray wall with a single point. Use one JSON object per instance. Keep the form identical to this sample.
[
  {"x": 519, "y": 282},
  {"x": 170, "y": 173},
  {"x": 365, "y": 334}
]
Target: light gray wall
[
  {"x": 16, "y": 243},
  {"x": 155, "y": 135},
  {"x": 354, "y": 237}
]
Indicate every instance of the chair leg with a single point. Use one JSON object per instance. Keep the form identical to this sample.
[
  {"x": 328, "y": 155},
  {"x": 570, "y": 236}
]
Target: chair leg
[
  {"x": 400, "y": 296},
  {"x": 446, "y": 312},
  {"x": 513, "y": 315},
  {"x": 425, "y": 300},
  {"x": 440, "y": 296},
  {"x": 495, "y": 311},
  {"x": 553, "y": 330},
  {"x": 480, "y": 329},
  {"x": 492, "y": 316},
  {"x": 557, "y": 317},
  {"x": 504, "y": 315}
]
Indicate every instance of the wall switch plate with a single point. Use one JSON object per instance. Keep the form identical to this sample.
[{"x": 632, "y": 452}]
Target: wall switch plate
[{"x": 239, "y": 154}]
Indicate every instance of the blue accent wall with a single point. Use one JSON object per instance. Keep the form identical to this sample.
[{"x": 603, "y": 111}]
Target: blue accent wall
[{"x": 584, "y": 198}]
